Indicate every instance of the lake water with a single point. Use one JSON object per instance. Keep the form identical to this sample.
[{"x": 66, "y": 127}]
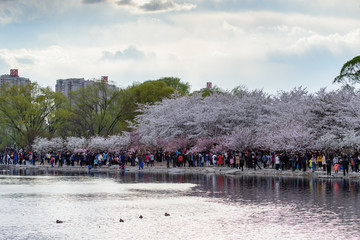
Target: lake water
[{"x": 200, "y": 206}]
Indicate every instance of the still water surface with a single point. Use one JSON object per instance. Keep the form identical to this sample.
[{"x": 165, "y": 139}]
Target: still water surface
[{"x": 200, "y": 206}]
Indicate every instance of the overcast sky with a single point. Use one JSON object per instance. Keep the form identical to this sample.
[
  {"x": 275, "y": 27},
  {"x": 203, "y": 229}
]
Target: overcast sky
[{"x": 261, "y": 44}]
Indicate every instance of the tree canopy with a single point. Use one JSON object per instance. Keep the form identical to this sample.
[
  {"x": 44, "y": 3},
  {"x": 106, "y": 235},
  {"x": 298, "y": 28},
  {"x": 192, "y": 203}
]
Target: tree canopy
[
  {"x": 176, "y": 83},
  {"x": 350, "y": 73},
  {"x": 28, "y": 111},
  {"x": 294, "y": 120}
]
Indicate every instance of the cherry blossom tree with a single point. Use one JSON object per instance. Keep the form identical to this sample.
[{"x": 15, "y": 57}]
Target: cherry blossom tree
[
  {"x": 45, "y": 145},
  {"x": 73, "y": 143},
  {"x": 286, "y": 124},
  {"x": 241, "y": 139},
  {"x": 289, "y": 120},
  {"x": 335, "y": 114}
]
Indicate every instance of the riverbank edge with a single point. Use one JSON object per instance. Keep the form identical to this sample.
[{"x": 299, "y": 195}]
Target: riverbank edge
[{"x": 190, "y": 170}]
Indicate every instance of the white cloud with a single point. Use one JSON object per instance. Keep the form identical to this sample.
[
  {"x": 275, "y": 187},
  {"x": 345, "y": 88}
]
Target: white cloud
[
  {"x": 129, "y": 53},
  {"x": 345, "y": 8},
  {"x": 254, "y": 48},
  {"x": 151, "y": 6},
  {"x": 20, "y": 11}
]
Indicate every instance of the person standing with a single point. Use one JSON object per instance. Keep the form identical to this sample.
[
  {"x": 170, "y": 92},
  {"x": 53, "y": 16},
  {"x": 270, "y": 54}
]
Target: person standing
[
  {"x": 147, "y": 159},
  {"x": 152, "y": 159},
  {"x": 264, "y": 160},
  {"x": 313, "y": 163},
  {"x": 328, "y": 166},
  {"x": 214, "y": 159},
  {"x": 207, "y": 159},
  {"x": 237, "y": 160},
  {"x": 293, "y": 161},
  {"x": 189, "y": 157},
  {"x": 324, "y": 162},
  {"x": 304, "y": 162},
  {"x": 42, "y": 156},
  {"x": 345, "y": 164},
  {"x": 319, "y": 159},
  {"x": 257, "y": 161},
  {"x": 232, "y": 160},
  {"x": 174, "y": 159},
  {"x": 254, "y": 160},
  {"x": 180, "y": 160},
  {"x": 199, "y": 159},
  {"x": 15, "y": 158},
  {"x": 277, "y": 162},
  {"x": 168, "y": 159},
  {"x": 242, "y": 161},
  {"x": 31, "y": 160},
  {"x": 52, "y": 161},
  {"x": 356, "y": 162},
  {"x": 220, "y": 159},
  {"x": 194, "y": 159},
  {"x": 141, "y": 162}
]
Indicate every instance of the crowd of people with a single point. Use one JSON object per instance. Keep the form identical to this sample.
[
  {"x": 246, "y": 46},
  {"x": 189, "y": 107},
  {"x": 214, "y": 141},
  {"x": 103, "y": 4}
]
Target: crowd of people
[{"x": 312, "y": 161}]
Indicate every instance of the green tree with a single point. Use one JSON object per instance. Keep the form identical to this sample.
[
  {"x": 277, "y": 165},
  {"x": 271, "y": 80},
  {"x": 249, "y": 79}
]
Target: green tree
[
  {"x": 175, "y": 83},
  {"x": 92, "y": 111},
  {"x": 151, "y": 91},
  {"x": 102, "y": 110},
  {"x": 5, "y": 140},
  {"x": 27, "y": 111},
  {"x": 350, "y": 73}
]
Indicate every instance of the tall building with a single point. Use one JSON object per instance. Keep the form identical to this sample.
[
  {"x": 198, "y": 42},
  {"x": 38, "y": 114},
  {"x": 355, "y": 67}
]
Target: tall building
[
  {"x": 68, "y": 85},
  {"x": 13, "y": 78}
]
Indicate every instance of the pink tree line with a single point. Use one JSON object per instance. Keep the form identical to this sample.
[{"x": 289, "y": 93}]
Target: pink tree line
[{"x": 293, "y": 120}]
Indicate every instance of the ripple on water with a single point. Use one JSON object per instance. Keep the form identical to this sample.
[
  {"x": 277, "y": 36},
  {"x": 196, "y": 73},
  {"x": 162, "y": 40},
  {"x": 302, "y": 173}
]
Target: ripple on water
[{"x": 91, "y": 208}]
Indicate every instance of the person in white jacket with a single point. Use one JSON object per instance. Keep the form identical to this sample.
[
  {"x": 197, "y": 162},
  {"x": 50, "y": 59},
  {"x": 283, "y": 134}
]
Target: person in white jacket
[
  {"x": 214, "y": 159},
  {"x": 277, "y": 162}
]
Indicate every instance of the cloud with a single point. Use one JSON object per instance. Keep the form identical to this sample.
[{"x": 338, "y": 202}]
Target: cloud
[
  {"x": 21, "y": 11},
  {"x": 25, "y": 60},
  {"x": 146, "y": 6},
  {"x": 158, "y": 5},
  {"x": 4, "y": 66},
  {"x": 256, "y": 48},
  {"x": 314, "y": 7},
  {"x": 93, "y": 1},
  {"x": 125, "y": 3},
  {"x": 129, "y": 53},
  {"x": 301, "y": 42},
  {"x": 138, "y": 6}
]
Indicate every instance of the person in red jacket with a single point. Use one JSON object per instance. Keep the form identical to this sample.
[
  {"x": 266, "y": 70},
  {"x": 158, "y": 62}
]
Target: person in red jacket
[
  {"x": 180, "y": 160},
  {"x": 220, "y": 160}
]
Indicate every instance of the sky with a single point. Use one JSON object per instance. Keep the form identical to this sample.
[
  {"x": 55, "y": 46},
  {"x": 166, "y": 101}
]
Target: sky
[{"x": 274, "y": 45}]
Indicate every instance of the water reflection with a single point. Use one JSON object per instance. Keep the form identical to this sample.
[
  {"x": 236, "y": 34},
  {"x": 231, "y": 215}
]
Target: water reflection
[
  {"x": 261, "y": 207},
  {"x": 254, "y": 188}
]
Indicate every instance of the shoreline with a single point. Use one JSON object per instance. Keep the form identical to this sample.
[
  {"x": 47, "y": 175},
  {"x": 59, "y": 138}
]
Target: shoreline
[{"x": 193, "y": 170}]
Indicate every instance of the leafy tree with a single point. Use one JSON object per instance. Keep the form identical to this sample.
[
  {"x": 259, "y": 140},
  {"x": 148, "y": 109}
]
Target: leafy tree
[
  {"x": 27, "y": 111},
  {"x": 350, "y": 73},
  {"x": 151, "y": 91},
  {"x": 101, "y": 110},
  {"x": 5, "y": 140},
  {"x": 93, "y": 111},
  {"x": 175, "y": 83}
]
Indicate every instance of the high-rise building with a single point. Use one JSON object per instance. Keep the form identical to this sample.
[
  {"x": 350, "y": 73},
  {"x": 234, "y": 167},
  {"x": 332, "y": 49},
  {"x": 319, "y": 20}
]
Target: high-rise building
[
  {"x": 68, "y": 85},
  {"x": 13, "y": 78}
]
